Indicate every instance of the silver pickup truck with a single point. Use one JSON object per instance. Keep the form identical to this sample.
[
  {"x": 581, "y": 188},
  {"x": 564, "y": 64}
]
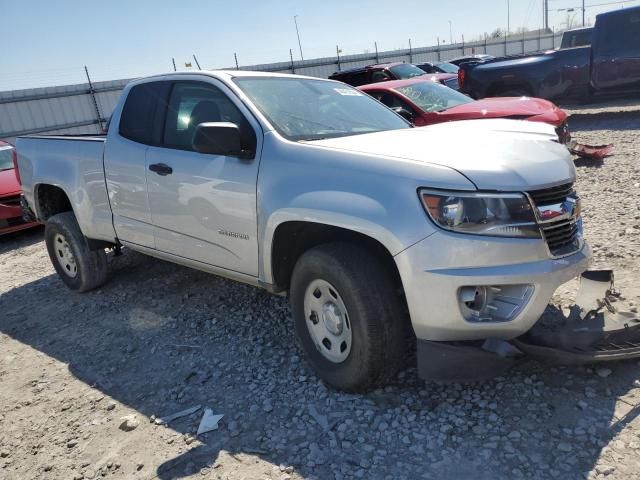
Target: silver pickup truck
[{"x": 462, "y": 231}]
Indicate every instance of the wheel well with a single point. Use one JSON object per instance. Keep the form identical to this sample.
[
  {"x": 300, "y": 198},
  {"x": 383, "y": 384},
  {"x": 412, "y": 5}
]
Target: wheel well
[
  {"x": 51, "y": 200},
  {"x": 292, "y": 239}
]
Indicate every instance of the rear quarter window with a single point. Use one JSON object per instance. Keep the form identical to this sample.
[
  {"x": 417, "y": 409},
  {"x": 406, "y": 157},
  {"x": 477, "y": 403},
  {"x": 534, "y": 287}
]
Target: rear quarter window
[{"x": 138, "y": 121}]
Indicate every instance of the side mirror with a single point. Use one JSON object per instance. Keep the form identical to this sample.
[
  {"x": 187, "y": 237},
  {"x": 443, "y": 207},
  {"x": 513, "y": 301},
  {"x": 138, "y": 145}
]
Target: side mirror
[
  {"x": 404, "y": 113},
  {"x": 219, "y": 138}
]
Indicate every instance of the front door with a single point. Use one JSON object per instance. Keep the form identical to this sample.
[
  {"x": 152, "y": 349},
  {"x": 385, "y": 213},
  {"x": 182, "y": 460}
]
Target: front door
[
  {"x": 203, "y": 206},
  {"x": 616, "y": 53}
]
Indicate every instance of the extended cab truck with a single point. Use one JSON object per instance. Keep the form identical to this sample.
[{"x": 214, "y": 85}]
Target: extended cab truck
[
  {"x": 313, "y": 188},
  {"x": 609, "y": 66}
]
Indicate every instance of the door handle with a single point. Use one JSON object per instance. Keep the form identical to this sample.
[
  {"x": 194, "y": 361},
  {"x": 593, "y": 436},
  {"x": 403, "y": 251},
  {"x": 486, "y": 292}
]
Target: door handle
[{"x": 161, "y": 169}]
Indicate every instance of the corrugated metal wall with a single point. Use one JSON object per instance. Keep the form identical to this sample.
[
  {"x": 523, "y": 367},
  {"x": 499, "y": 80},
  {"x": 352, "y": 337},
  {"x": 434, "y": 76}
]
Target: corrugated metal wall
[
  {"x": 70, "y": 108},
  {"x": 63, "y": 109}
]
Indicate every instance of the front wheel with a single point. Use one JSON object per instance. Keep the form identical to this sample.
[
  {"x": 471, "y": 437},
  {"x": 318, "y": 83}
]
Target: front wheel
[
  {"x": 348, "y": 317},
  {"x": 79, "y": 267}
]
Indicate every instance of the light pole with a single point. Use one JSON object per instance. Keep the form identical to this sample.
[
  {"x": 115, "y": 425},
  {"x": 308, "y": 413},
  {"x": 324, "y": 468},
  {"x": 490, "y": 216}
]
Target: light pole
[
  {"x": 508, "y": 17},
  {"x": 295, "y": 20},
  {"x": 450, "y": 34}
]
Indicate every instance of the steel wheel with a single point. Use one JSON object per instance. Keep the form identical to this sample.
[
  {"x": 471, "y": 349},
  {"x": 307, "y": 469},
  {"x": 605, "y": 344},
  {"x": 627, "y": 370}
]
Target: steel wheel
[
  {"x": 328, "y": 321},
  {"x": 64, "y": 256}
]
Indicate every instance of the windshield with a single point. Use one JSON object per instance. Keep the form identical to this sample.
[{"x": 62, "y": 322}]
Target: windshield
[
  {"x": 433, "y": 97},
  {"x": 306, "y": 109},
  {"x": 6, "y": 159},
  {"x": 406, "y": 70},
  {"x": 447, "y": 67}
]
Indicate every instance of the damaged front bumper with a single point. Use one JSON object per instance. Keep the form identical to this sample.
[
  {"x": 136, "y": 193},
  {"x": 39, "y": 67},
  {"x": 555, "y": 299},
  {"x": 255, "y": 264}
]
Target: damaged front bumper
[{"x": 597, "y": 329}]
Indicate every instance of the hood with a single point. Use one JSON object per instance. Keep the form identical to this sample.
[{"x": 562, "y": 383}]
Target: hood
[
  {"x": 523, "y": 108},
  {"x": 8, "y": 182},
  {"x": 507, "y": 155}
]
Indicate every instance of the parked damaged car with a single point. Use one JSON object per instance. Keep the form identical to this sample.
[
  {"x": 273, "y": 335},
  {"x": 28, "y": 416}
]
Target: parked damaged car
[
  {"x": 448, "y": 236},
  {"x": 424, "y": 102},
  {"x": 11, "y": 213},
  {"x": 390, "y": 71}
]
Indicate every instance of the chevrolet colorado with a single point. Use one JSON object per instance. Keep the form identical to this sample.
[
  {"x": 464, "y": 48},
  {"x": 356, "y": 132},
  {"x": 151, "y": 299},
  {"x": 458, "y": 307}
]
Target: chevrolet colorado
[{"x": 313, "y": 188}]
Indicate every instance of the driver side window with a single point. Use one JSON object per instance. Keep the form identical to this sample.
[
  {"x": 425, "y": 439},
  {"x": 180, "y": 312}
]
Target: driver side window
[
  {"x": 193, "y": 103},
  {"x": 392, "y": 101}
]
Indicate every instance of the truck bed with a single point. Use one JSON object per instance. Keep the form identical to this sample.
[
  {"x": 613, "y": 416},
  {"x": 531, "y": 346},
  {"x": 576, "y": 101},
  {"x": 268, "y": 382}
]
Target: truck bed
[{"x": 73, "y": 164}]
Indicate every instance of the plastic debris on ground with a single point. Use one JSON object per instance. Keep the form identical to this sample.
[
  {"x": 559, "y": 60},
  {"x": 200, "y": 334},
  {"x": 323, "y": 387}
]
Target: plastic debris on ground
[
  {"x": 591, "y": 152},
  {"x": 209, "y": 421},
  {"x": 182, "y": 413}
]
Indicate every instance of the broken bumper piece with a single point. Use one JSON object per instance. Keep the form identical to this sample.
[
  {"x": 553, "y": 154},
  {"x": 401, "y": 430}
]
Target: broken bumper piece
[
  {"x": 591, "y": 152},
  {"x": 596, "y": 330}
]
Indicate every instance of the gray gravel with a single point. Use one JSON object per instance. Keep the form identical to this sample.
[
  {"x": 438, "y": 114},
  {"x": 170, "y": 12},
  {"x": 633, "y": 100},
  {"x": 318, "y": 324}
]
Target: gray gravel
[{"x": 160, "y": 338}]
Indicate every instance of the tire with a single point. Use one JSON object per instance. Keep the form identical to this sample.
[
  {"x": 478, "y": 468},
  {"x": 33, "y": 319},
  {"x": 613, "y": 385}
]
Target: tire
[
  {"x": 80, "y": 268},
  {"x": 374, "y": 315}
]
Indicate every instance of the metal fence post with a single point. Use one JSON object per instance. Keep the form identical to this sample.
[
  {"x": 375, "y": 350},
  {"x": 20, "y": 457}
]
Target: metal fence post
[
  {"x": 293, "y": 68},
  {"x": 338, "y": 56},
  {"x": 173, "y": 60},
  {"x": 553, "y": 38},
  {"x": 523, "y": 43},
  {"x": 438, "y": 51},
  {"x": 485, "y": 43},
  {"x": 463, "y": 45},
  {"x": 376, "y": 45},
  {"x": 95, "y": 100},
  {"x": 410, "y": 52}
]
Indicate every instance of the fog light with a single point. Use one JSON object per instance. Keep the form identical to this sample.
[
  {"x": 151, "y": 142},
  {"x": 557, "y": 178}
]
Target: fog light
[{"x": 493, "y": 303}]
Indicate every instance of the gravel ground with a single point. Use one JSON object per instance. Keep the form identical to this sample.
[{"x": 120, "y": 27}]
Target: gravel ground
[{"x": 81, "y": 376}]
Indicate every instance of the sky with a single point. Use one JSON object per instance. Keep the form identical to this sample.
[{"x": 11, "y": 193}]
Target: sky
[{"x": 47, "y": 43}]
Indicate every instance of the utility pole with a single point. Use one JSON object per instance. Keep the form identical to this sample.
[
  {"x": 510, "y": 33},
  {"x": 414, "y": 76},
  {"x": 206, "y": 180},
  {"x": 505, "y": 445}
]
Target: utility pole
[
  {"x": 545, "y": 14},
  {"x": 235, "y": 56},
  {"x": 173, "y": 60},
  {"x": 295, "y": 20},
  {"x": 508, "y": 17},
  {"x": 583, "y": 13},
  {"x": 197, "y": 63}
]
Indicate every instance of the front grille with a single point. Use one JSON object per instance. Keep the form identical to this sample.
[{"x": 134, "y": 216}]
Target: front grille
[
  {"x": 11, "y": 201},
  {"x": 562, "y": 235},
  {"x": 550, "y": 196}
]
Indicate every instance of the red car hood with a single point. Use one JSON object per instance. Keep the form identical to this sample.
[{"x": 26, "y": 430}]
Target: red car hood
[
  {"x": 535, "y": 109},
  {"x": 8, "y": 183}
]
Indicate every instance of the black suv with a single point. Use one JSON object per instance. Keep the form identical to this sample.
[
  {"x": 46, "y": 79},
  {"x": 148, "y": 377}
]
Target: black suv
[{"x": 377, "y": 73}]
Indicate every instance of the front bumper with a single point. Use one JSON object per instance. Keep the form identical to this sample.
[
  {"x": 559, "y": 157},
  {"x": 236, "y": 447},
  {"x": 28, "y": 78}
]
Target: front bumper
[
  {"x": 12, "y": 215},
  {"x": 434, "y": 270}
]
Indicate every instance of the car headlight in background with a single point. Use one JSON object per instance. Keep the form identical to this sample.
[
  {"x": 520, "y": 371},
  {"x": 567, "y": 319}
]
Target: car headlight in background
[{"x": 494, "y": 214}]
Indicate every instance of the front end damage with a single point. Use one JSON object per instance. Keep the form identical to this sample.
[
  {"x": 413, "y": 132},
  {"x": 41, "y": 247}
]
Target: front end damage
[{"x": 596, "y": 329}]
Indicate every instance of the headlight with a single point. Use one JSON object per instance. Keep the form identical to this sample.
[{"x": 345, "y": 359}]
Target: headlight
[{"x": 495, "y": 214}]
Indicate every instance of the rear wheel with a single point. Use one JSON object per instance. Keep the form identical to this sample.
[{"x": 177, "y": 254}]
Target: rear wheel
[
  {"x": 348, "y": 316},
  {"x": 79, "y": 267}
]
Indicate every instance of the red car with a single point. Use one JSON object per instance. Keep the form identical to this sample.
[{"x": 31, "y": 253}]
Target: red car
[
  {"x": 423, "y": 101},
  {"x": 10, "y": 208}
]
